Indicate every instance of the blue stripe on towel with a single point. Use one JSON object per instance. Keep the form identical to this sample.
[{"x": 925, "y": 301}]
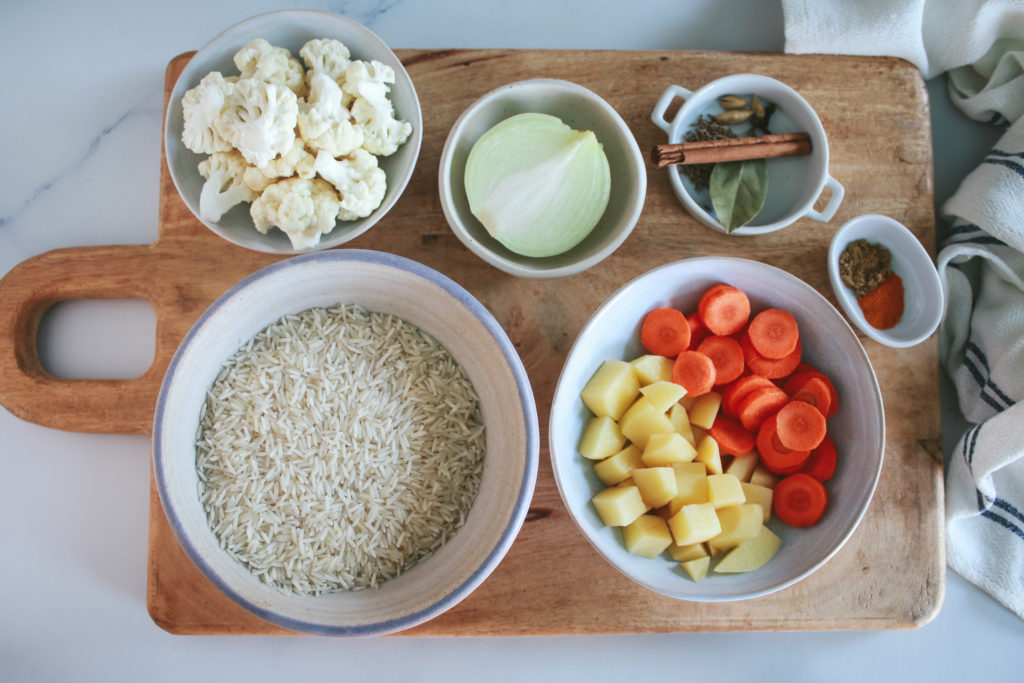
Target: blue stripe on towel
[
  {"x": 1003, "y": 522},
  {"x": 1013, "y": 166},
  {"x": 1001, "y": 153},
  {"x": 1004, "y": 505},
  {"x": 968, "y": 233},
  {"x": 984, "y": 509},
  {"x": 986, "y": 382}
]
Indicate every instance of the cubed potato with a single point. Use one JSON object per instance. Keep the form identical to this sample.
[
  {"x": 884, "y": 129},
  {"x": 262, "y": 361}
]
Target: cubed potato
[
  {"x": 646, "y": 536},
  {"x": 642, "y": 420},
  {"x": 691, "y": 486},
  {"x": 616, "y": 468},
  {"x": 698, "y": 433},
  {"x": 664, "y": 450},
  {"x": 743, "y": 466},
  {"x": 683, "y": 553},
  {"x": 619, "y": 505},
  {"x": 725, "y": 490},
  {"x": 657, "y": 485},
  {"x": 601, "y": 439},
  {"x": 650, "y": 369},
  {"x": 759, "y": 495},
  {"x": 697, "y": 568},
  {"x": 709, "y": 455},
  {"x": 739, "y": 523},
  {"x": 663, "y": 395},
  {"x": 611, "y": 390},
  {"x": 694, "y": 523},
  {"x": 681, "y": 421},
  {"x": 750, "y": 554},
  {"x": 687, "y": 401},
  {"x": 704, "y": 409},
  {"x": 762, "y": 476}
]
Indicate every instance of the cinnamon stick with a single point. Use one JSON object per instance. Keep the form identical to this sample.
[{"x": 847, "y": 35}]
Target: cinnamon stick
[{"x": 733, "y": 149}]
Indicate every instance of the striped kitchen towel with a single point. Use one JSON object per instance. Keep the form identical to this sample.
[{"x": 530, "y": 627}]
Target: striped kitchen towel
[{"x": 982, "y": 345}]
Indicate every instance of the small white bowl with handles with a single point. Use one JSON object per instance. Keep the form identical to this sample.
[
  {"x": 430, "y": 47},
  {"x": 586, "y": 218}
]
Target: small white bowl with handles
[{"x": 794, "y": 183}]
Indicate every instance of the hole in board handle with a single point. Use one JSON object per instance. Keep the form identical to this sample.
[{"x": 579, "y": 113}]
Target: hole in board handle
[{"x": 97, "y": 339}]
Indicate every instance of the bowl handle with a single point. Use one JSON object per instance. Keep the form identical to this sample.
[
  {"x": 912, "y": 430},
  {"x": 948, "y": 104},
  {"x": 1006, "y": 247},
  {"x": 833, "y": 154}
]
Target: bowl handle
[
  {"x": 658, "y": 115},
  {"x": 825, "y": 215}
]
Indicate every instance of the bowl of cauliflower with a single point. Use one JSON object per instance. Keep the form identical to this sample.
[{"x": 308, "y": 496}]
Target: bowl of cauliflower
[{"x": 292, "y": 131}]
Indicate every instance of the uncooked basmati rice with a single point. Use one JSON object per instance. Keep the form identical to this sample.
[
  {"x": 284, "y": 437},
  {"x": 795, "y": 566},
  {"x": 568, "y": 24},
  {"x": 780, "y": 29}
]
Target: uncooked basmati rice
[{"x": 338, "y": 448}]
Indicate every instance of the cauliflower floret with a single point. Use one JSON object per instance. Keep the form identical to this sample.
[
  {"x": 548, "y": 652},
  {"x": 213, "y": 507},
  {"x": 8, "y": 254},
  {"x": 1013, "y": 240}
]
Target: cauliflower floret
[
  {"x": 325, "y": 55},
  {"x": 383, "y": 134},
  {"x": 358, "y": 180},
  {"x": 370, "y": 80},
  {"x": 304, "y": 209},
  {"x": 369, "y": 83},
  {"x": 259, "y": 120},
  {"x": 324, "y": 122},
  {"x": 224, "y": 187},
  {"x": 264, "y": 62},
  {"x": 202, "y": 106},
  {"x": 295, "y": 162}
]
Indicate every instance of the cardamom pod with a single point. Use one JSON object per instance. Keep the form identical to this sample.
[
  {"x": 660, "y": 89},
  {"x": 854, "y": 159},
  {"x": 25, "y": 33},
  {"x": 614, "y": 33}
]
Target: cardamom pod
[
  {"x": 729, "y": 102},
  {"x": 758, "y": 108},
  {"x": 734, "y": 116}
]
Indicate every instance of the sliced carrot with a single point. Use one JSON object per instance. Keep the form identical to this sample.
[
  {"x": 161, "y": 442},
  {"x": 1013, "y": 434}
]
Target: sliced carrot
[
  {"x": 697, "y": 330},
  {"x": 805, "y": 372},
  {"x": 801, "y": 426},
  {"x": 724, "y": 309},
  {"x": 759, "y": 405},
  {"x": 822, "y": 462},
  {"x": 772, "y": 368},
  {"x": 726, "y": 354},
  {"x": 799, "y": 500},
  {"x": 738, "y": 389},
  {"x": 665, "y": 332},
  {"x": 774, "y": 455},
  {"x": 774, "y": 333},
  {"x": 812, "y": 390},
  {"x": 694, "y": 372},
  {"x": 732, "y": 437}
]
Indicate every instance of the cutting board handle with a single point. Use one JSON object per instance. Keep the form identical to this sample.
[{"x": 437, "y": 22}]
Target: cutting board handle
[{"x": 113, "y": 406}]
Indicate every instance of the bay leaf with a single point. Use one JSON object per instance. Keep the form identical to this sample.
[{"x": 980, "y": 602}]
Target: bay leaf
[{"x": 738, "y": 191}]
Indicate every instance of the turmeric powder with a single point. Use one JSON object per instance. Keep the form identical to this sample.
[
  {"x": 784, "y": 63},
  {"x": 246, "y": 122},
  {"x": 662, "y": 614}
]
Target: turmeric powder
[{"x": 883, "y": 306}]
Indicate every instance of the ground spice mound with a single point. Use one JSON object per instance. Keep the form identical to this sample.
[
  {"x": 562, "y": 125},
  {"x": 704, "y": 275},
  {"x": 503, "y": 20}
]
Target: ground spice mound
[
  {"x": 863, "y": 266},
  {"x": 883, "y": 306}
]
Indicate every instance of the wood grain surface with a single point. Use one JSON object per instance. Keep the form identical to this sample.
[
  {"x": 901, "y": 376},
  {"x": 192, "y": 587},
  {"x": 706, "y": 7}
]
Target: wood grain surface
[{"x": 890, "y": 575}]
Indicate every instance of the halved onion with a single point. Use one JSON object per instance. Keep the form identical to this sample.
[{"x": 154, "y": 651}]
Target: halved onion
[{"x": 538, "y": 186}]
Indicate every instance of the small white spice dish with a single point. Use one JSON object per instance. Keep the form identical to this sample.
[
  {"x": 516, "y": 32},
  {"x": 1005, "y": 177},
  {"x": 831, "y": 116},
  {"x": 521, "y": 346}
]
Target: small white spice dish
[
  {"x": 580, "y": 109},
  {"x": 923, "y": 301},
  {"x": 441, "y": 308},
  {"x": 289, "y": 29},
  {"x": 829, "y": 344},
  {"x": 794, "y": 183}
]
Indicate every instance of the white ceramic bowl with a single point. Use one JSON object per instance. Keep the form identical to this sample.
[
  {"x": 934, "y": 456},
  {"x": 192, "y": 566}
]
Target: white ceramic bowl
[
  {"x": 829, "y": 344},
  {"x": 290, "y": 29},
  {"x": 794, "y": 183},
  {"x": 440, "y": 307},
  {"x": 923, "y": 300},
  {"x": 581, "y": 109}
]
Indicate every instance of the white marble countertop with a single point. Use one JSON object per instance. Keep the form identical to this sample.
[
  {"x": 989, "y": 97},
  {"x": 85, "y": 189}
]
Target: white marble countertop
[{"x": 79, "y": 166}]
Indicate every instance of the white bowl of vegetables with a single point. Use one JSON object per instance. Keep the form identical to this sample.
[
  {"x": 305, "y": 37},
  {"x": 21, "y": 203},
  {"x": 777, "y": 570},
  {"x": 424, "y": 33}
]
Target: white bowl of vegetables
[
  {"x": 541, "y": 178},
  {"x": 292, "y": 131},
  {"x": 684, "y": 490}
]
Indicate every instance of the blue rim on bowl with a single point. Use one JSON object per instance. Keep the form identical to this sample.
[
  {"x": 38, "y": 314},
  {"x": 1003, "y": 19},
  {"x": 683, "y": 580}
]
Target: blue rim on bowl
[{"x": 181, "y": 505}]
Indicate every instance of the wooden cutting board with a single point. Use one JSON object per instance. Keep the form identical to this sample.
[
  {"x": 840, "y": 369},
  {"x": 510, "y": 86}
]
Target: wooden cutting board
[{"x": 889, "y": 575}]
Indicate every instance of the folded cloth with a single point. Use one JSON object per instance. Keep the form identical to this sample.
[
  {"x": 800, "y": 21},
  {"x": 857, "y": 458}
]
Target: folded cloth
[
  {"x": 933, "y": 35},
  {"x": 982, "y": 345},
  {"x": 980, "y": 45}
]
